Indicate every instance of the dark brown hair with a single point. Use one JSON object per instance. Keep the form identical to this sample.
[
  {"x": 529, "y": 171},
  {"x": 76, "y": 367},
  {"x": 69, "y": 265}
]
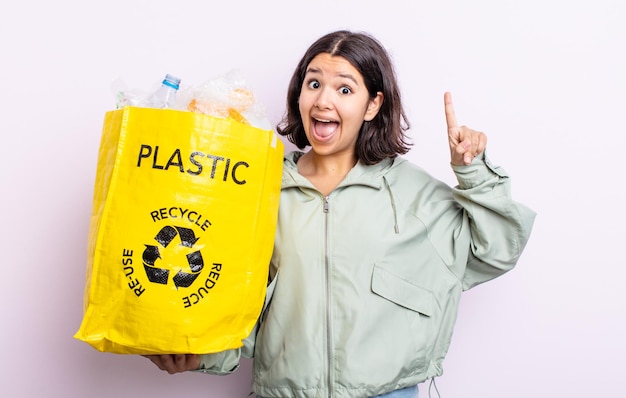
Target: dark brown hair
[{"x": 382, "y": 137}]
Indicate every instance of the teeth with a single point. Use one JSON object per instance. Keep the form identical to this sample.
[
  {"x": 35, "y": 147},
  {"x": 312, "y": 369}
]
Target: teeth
[{"x": 323, "y": 120}]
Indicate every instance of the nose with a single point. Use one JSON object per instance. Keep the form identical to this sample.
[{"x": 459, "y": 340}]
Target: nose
[{"x": 324, "y": 100}]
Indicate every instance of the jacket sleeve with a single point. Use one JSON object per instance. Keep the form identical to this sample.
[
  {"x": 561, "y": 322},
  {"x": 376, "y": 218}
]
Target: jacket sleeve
[
  {"x": 221, "y": 363},
  {"x": 227, "y": 362},
  {"x": 499, "y": 227}
]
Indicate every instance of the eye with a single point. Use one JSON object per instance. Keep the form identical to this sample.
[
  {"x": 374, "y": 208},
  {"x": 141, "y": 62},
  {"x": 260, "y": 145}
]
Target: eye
[
  {"x": 313, "y": 84},
  {"x": 345, "y": 90}
]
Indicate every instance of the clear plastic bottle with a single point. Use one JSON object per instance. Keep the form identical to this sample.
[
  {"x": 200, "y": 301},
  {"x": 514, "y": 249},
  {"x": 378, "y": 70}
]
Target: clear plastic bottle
[{"x": 165, "y": 96}]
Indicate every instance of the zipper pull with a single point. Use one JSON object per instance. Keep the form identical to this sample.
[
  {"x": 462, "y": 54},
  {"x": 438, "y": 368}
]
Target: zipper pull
[{"x": 326, "y": 204}]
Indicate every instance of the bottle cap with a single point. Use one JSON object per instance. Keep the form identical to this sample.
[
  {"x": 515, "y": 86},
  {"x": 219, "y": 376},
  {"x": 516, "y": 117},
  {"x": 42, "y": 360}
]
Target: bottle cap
[{"x": 171, "y": 81}]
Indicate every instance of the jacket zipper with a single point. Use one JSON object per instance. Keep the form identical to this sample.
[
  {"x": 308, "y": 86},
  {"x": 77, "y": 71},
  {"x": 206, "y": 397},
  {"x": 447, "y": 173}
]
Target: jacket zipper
[{"x": 329, "y": 346}]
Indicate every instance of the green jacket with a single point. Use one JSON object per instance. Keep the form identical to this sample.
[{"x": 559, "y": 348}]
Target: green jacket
[{"x": 369, "y": 278}]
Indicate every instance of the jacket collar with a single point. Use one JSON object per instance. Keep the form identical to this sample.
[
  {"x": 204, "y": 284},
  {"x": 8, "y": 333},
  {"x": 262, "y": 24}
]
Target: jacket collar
[
  {"x": 361, "y": 174},
  {"x": 370, "y": 176}
]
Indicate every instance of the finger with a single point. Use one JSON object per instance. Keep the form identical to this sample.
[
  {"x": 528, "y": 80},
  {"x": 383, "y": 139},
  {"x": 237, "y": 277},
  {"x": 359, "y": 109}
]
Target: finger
[
  {"x": 482, "y": 143},
  {"x": 194, "y": 361},
  {"x": 473, "y": 144},
  {"x": 467, "y": 158},
  {"x": 180, "y": 361},
  {"x": 168, "y": 363},
  {"x": 449, "y": 109},
  {"x": 458, "y": 152},
  {"x": 478, "y": 141},
  {"x": 155, "y": 359},
  {"x": 464, "y": 150}
]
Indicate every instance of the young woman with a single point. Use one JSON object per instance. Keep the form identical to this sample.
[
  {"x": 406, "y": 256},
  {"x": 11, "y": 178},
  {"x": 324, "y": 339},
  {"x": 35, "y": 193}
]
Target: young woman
[{"x": 371, "y": 253}]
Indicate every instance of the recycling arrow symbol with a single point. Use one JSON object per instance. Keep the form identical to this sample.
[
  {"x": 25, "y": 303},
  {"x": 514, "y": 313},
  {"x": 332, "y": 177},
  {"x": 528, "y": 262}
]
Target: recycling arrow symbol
[{"x": 152, "y": 254}]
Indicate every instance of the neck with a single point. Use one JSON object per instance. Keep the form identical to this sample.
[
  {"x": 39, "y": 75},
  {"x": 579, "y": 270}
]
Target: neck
[
  {"x": 325, "y": 172},
  {"x": 312, "y": 163}
]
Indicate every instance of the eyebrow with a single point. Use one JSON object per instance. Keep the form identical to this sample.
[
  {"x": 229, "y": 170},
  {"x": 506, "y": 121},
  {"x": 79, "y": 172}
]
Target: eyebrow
[{"x": 343, "y": 75}]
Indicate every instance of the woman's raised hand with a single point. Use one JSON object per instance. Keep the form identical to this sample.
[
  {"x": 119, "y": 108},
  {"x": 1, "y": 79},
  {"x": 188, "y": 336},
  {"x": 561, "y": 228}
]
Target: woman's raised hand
[{"x": 465, "y": 143}]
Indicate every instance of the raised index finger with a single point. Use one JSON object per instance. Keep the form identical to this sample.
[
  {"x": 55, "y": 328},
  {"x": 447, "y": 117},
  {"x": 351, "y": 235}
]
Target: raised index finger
[{"x": 450, "y": 115}]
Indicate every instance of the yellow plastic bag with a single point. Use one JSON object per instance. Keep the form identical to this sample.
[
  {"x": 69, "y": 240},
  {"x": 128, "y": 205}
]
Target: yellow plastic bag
[{"x": 181, "y": 234}]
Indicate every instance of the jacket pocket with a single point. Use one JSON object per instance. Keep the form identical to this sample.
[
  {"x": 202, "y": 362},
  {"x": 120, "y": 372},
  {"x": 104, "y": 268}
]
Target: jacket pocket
[
  {"x": 402, "y": 291},
  {"x": 410, "y": 314}
]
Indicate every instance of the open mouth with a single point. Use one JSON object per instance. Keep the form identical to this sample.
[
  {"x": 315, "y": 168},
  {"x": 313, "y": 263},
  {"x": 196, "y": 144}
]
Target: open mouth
[{"x": 324, "y": 129}]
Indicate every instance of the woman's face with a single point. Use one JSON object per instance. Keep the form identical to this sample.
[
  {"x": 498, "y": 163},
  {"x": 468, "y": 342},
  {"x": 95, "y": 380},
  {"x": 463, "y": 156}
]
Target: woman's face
[{"x": 333, "y": 104}]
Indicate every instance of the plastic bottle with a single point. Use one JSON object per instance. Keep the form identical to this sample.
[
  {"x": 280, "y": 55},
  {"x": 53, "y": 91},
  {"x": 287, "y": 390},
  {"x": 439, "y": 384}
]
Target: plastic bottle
[{"x": 165, "y": 96}]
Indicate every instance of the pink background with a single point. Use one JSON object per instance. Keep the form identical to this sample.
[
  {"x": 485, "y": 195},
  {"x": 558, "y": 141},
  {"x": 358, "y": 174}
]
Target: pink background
[{"x": 544, "y": 79}]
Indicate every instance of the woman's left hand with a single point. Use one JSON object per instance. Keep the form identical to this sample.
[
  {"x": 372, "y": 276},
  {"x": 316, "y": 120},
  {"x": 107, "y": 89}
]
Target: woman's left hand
[{"x": 465, "y": 143}]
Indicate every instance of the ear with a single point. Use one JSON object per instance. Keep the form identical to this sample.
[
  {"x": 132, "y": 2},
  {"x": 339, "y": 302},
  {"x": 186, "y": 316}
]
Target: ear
[{"x": 373, "y": 106}]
